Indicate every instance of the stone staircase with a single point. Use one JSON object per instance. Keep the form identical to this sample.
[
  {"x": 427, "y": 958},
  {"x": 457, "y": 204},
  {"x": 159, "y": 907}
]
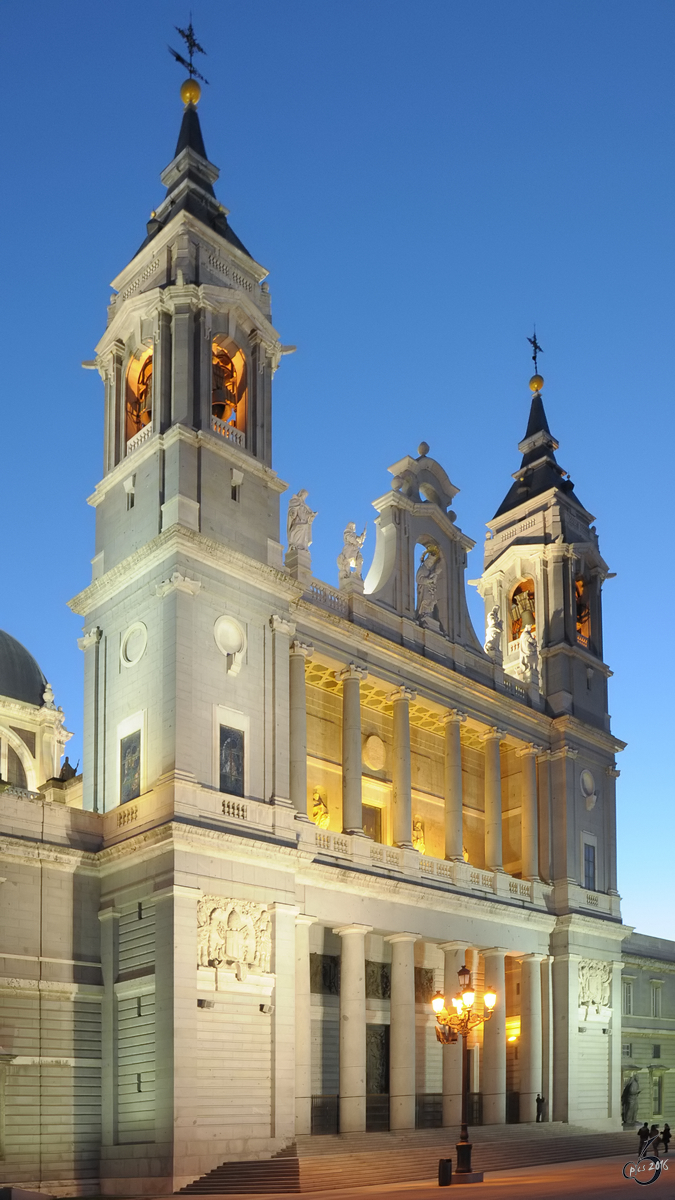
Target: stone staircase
[{"x": 329, "y": 1162}]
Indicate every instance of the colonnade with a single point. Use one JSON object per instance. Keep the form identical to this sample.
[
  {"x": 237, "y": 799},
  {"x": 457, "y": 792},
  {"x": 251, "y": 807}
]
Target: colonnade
[
  {"x": 351, "y": 678},
  {"x": 352, "y": 1032}
]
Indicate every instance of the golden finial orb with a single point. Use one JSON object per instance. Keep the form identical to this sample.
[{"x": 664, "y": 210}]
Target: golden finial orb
[
  {"x": 536, "y": 383},
  {"x": 190, "y": 92}
]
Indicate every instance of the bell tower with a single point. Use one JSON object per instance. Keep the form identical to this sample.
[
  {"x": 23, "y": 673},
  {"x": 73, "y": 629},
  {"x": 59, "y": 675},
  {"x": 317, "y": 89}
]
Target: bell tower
[
  {"x": 188, "y": 570},
  {"x": 543, "y": 570}
]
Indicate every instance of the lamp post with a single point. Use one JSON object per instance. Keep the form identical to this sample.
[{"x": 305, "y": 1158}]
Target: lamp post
[{"x": 449, "y": 1027}]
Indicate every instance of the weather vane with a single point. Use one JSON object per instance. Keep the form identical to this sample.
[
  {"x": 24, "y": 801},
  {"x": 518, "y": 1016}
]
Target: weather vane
[
  {"x": 536, "y": 349},
  {"x": 188, "y": 36}
]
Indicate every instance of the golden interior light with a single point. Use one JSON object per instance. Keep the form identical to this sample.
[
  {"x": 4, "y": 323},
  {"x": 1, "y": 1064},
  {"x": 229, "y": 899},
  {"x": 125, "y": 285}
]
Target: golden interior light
[
  {"x": 438, "y": 1002},
  {"x": 468, "y": 997},
  {"x": 513, "y": 1038},
  {"x": 489, "y": 1000}
]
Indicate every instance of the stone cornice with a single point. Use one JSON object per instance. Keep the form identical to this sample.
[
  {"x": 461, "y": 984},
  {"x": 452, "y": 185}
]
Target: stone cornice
[
  {"x": 20, "y": 849},
  {"x": 180, "y": 540},
  {"x": 166, "y": 235},
  {"x": 648, "y": 964},
  {"x": 194, "y": 437},
  {"x": 572, "y": 729},
  {"x": 442, "y": 684}
]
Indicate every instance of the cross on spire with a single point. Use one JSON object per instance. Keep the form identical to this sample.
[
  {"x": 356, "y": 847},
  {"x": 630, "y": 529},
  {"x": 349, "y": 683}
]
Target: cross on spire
[
  {"x": 536, "y": 348},
  {"x": 193, "y": 47}
]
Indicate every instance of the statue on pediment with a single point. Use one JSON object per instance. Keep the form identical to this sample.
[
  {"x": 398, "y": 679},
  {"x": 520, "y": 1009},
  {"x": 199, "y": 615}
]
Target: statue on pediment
[
  {"x": 428, "y": 576},
  {"x": 350, "y": 558},
  {"x": 299, "y": 521},
  {"x": 493, "y": 635}
]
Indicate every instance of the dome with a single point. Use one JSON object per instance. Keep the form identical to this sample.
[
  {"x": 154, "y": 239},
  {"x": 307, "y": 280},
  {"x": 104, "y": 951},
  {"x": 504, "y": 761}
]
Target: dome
[{"x": 20, "y": 676}]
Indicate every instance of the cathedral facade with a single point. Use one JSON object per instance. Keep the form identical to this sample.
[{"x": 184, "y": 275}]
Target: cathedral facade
[{"x": 302, "y": 807}]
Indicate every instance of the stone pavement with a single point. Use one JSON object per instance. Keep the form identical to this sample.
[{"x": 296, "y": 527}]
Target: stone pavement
[{"x": 593, "y": 1179}]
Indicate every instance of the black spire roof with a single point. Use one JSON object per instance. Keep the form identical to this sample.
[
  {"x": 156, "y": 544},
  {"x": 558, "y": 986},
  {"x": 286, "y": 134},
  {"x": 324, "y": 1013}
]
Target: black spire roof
[
  {"x": 539, "y": 470},
  {"x": 189, "y": 180}
]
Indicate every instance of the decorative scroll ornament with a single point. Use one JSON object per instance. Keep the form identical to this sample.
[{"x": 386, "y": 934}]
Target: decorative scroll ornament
[
  {"x": 595, "y": 984},
  {"x": 233, "y": 933}
]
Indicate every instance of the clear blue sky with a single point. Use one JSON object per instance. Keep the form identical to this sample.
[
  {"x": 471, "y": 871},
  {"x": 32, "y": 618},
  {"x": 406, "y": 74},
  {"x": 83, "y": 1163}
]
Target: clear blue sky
[{"x": 422, "y": 181}]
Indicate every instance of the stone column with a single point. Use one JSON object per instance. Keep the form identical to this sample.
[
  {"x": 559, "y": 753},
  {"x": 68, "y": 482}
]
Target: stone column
[
  {"x": 547, "y": 1036},
  {"x": 455, "y": 957},
  {"x": 351, "y": 678},
  {"x": 494, "y": 1041},
  {"x": 530, "y": 1049},
  {"x": 454, "y": 834},
  {"x": 109, "y": 922},
  {"x": 401, "y": 783},
  {"x": 177, "y": 1090},
  {"x": 529, "y": 815},
  {"x": 402, "y": 1032},
  {"x": 493, "y": 800},
  {"x": 299, "y": 651},
  {"x": 303, "y": 1028},
  {"x": 353, "y": 1028},
  {"x": 282, "y": 631},
  {"x": 90, "y": 644},
  {"x": 283, "y": 1020}
]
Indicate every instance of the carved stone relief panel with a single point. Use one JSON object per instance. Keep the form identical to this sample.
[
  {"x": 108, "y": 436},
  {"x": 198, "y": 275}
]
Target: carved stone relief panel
[
  {"x": 378, "y": 980},
  {"x": 424, "y": 985},
  {"x": 595, "y": 984},
  {"x": 324, "y": 974},
  {"x": 233, "y": 933}
]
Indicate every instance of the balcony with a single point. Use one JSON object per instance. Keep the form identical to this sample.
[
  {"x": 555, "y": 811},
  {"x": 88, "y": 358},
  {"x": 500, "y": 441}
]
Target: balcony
[
  {"x": 139, "y": 438},
  {"x": 236, "y": 437}
]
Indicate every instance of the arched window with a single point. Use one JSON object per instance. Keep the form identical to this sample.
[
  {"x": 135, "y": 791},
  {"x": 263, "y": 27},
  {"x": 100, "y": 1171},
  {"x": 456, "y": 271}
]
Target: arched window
[
  {"x": 521, "y": 609},
  {"x": 583, "y": 613},
  {"x": 139, "y": 394},
  {"x": 228, "y": 388}
]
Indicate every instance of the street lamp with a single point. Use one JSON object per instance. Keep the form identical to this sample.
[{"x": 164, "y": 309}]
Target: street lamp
[{"x": 449, "y": 1027}]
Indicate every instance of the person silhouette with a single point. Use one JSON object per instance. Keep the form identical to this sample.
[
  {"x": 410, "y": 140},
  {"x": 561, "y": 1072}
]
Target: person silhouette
[
  {"x": 643, "y": 1134},
  {"x": 665, "y": 1138},
  {"x": 541, "y": 1101}
]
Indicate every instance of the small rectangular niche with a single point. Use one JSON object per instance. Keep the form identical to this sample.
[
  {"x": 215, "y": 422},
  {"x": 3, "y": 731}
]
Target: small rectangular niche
[
  {"x": 236, "y": 480},
  {"x": 129, "y": 486}
]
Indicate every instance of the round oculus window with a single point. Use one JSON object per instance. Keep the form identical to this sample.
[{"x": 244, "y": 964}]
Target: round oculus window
[
  {"x": 374, "y": 752},
  {"x": 229, "y": 635},
  {"x": 587, "y": 783},
  {"x": 134, "y": 643}
]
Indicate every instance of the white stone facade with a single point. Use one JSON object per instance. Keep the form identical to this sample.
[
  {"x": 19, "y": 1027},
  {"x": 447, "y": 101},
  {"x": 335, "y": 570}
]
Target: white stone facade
[{"x": 287, "y": 784}]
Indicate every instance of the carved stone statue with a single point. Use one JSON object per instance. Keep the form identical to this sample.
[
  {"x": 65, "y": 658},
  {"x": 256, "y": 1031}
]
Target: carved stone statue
[
  {"x": 299, "y": 521},
  {"x": 629, "y": 1101},
  {"x": 595, "y": 984},
  {"x": 320, "y": 815},
  {"x": 418, "y": 841},
  {"x": 493, "y": 634},
  {"x": 428, "y": 575},
  {"x": 529, "y": 656},
  {"x": 233, "y": 933},
  {"x": 350, "y": 558}
]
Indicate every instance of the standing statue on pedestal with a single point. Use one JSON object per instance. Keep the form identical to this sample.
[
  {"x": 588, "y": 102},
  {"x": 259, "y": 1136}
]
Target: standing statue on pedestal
[
  {"x": 529, "y": 656},
  {"x": 428, "y": 575},
  {"x": 299, "y": 521},
  {"x": 493, "y": 635},
  {"x": 629, "y": 1101},
  {"x": 350, "y": 558}
]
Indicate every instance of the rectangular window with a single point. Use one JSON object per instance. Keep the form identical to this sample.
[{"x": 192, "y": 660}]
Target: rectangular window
[
  {"x": 656, "y": 1001},
  {"x": 627, "y": 1050},
  {"x": 130, "y": 766},
  {"x": 372, "y": 822},
  {"x": 628, "y": 999},
  {"x": 657, "y": 1095},
  {"x": 231, "y": 760},
  {"x": 589, "y": 867},
  {"x": 656, "y": 1050}
]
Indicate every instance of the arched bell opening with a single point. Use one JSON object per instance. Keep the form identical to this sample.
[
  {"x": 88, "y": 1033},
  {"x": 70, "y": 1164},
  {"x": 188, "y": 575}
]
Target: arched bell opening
[
  {"x": 138, "y": 406},
  {"x": 229, "y": 391},
  {"x": 583, "y": 612},
  {"x": 522, "y": 609}
]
